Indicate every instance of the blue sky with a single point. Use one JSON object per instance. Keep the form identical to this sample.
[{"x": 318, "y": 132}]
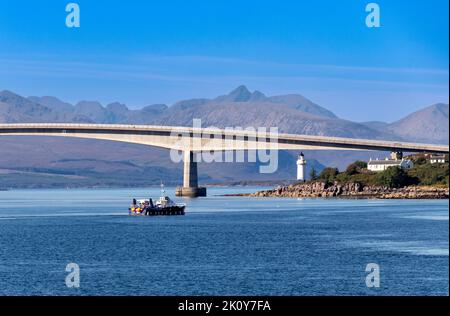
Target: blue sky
[{"x": 145, "y": 52}]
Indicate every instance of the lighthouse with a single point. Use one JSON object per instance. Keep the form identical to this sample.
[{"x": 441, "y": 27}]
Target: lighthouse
[{"x": 301, "y": 167}]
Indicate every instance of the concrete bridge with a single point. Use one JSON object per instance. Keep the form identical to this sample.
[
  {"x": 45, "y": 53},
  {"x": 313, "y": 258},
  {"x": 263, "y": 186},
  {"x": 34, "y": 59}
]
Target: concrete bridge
[{"x": 190, "y": 140}]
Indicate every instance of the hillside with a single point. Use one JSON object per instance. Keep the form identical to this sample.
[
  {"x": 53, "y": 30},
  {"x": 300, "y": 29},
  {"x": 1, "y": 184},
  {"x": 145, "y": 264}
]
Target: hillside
[{"x": 427, "y": 125}]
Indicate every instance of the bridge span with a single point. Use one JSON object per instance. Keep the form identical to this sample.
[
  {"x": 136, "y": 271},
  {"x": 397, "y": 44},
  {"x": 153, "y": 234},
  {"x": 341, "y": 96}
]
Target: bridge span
[{"x": 190, "y": 140}]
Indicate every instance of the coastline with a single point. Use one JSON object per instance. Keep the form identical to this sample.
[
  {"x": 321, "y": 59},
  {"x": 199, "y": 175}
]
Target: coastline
[{"x": 351, "y": 190}]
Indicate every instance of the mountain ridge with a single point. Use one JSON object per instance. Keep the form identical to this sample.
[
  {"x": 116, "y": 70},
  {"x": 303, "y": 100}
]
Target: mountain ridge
[{"x": 291, "y": 113}]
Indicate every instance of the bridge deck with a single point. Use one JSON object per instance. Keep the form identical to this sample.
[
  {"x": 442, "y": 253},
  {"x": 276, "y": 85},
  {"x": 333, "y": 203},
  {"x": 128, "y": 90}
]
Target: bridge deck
[{"x": 60, "y": 129}]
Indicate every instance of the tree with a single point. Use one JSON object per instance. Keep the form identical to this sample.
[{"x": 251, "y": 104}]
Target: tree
[
  {"x": 356, "y": 167},
  {"x": 328, "y": 175},
  {"x": 395, "y": 177}
]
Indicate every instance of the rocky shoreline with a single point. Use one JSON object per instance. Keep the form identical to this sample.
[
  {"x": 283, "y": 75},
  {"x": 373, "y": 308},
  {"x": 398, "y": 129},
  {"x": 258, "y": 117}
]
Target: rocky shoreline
[{"x": 352, "y": 190}]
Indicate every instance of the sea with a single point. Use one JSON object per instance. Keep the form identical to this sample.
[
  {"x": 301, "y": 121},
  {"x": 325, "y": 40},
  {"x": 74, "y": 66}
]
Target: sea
[{"x": 83, "y": 242}]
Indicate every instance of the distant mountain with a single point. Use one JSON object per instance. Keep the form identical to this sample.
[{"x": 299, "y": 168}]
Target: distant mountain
[
  {"x": 241, "y": 94},
  {"x": 14, "y": 108},
  {"x": 291, "y": 113},
  {"x": 17, "y": 109},
  {"x": 295, "y": 101},
  {"x": 92, "y": 110},
  {"x": 301, "y": 103},
  {"x": 430, "y": 124},
  {"x": 243, "y": 114},
  {"x": 240, "y": 107},
  {"x": 376, "y": 125},
  {"x": 53, "y": 103},
  {"x": 56, "y": 161}
]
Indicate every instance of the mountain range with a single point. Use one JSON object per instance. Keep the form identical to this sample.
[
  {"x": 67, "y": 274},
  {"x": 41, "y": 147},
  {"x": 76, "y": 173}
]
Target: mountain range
[{"x": 91, "y": 162}]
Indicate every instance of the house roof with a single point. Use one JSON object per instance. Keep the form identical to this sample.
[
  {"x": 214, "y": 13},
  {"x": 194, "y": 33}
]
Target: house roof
[{"x": 385, "y": 162}]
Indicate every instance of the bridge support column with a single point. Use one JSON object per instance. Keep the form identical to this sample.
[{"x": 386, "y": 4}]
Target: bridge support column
[{"x": 190, "y": 186}]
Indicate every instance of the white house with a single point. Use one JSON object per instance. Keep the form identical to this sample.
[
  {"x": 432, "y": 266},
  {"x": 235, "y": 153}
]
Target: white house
[
  {"x": 381, "y": 165},
  {"x": 437, "y": 159}
]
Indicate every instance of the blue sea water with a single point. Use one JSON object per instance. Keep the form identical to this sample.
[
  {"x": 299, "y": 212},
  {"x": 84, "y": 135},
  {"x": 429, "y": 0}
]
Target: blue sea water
[{"x": 223, "y": 246}]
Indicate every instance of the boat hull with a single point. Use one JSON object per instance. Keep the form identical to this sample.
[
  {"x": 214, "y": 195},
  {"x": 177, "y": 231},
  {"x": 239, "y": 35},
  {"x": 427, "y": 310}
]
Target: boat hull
[{"x": 161, "y": 211}]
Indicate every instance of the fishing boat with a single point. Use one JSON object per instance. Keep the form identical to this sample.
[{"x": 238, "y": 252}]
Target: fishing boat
[{"x": 163, "y": 206}]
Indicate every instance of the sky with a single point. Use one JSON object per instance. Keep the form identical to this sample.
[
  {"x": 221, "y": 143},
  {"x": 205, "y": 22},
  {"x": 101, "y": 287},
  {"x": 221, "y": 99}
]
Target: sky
[{"x": 146, "y": 52}]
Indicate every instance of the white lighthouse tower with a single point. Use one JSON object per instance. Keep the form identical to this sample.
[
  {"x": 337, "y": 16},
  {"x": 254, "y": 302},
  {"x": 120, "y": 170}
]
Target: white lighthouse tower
[{"x": 301, "y": 168}]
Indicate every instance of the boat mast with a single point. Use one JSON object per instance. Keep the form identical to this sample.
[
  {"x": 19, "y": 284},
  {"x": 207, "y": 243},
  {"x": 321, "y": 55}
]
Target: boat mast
[{"x": 162, "y": 189}]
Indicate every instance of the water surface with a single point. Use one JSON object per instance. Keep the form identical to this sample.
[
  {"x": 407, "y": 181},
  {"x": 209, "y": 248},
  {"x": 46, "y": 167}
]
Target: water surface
[{"x": 223, "y": 246}]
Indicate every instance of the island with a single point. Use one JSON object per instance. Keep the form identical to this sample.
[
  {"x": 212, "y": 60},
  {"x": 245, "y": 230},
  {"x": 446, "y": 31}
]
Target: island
[{"x": 425, "y": 180}]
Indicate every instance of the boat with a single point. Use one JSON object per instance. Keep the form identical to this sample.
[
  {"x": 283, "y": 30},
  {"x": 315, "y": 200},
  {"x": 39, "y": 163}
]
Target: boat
[{"x": 163, "y": 206}]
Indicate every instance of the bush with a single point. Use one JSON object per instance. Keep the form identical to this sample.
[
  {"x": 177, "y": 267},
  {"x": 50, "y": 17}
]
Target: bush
[
  {"x": 423, "y": 173},
  {"x": 356, "y": 167},
  {"x": 430, "y": 174},
  {"x": 369, "y": 178},
  {"x": 328, "y": 175},
  {"x": 421, "y": 160},
  {"x": 343, "y": 177},
  {"x": 394, "y": 177}
]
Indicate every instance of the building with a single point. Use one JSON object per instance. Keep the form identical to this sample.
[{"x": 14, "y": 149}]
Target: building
[
  {"x": 437, "y": 159},
  {"x": 301, "y": 167},
  {"x": 381, "y": 165}
]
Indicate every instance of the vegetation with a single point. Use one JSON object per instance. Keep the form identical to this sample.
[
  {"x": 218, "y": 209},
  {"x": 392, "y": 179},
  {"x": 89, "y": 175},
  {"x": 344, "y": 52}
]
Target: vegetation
[
  {"x": 356, "y": 167},
  {"x": 328, "y": 175},
  {"x": 395, "y": 177},
  {"x": 431, "y": 174},
  {"x": 423, "y": 173}
]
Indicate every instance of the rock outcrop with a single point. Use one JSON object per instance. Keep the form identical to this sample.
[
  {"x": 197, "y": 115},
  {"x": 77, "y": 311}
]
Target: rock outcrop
[{"x": 353, "y": 190}]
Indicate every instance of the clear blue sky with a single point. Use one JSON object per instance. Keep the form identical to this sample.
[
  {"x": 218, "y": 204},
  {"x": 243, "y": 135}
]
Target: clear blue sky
[{"x": 145, "y": 52}]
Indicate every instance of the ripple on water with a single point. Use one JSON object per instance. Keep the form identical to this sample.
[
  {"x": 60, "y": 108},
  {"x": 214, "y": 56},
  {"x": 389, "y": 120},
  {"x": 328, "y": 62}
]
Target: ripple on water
[
  {"x": 431, "y": 217},
  {"x": 414, "y": 248}
]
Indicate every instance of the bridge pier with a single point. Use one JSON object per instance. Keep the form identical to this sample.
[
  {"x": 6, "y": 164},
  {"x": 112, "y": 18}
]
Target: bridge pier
[{"x": 190, "y": 186}]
